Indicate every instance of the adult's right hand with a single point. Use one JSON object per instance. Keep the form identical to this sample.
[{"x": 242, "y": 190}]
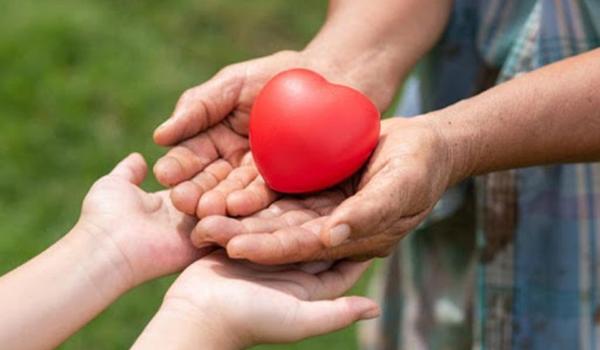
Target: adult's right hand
[{"x": 363, "y": 217}]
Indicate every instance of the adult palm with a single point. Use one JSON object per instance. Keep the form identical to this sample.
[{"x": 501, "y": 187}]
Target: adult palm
[
  {"x": 362, "y": 218},
  {"x": 210, "y": 163}
]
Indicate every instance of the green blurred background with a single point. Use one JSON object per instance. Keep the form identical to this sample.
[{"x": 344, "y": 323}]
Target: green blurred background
[{"x": 84, "y": 82}]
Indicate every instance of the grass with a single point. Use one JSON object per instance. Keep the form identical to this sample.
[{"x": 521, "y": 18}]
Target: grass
[{"x": 84, "y": 82}]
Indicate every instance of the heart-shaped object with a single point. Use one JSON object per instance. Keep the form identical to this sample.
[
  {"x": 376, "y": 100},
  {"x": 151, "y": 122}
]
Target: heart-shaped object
[{"x": 307, "y": 134}]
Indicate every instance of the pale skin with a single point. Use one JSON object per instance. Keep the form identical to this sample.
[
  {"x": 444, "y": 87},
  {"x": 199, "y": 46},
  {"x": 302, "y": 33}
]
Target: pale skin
[
  {"x": 222, "y": 304},
  {"x": 125, "y": 237},
  {"x": 549, "y": 116}
]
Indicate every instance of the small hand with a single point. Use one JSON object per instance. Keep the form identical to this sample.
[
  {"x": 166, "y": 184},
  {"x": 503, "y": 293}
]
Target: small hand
[
  {"x": 243, "y": 304},
  {"x": 366, "y": 217},
  {"x": 150, "y": 237}
]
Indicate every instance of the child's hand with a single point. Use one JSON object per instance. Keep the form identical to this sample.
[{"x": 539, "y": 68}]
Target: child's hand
[
  {"x": 149, "y": 236},
  {"x": 124, "y": 236},
  {"x": 218, "y": 303}
]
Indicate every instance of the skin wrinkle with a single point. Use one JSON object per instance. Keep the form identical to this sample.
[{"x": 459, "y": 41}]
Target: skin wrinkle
[
  {"x": 101, "y": 235},
  {"x": 257, "y": 197},
  {"x": 234, "y": 127},
  {"x": 296, "y": 241},
  {"x": 231, "y": 92},
  {"x": 335, "y": 273},
  {"x": 197, "y": 144},
  {"x": 211, "y": 176}
]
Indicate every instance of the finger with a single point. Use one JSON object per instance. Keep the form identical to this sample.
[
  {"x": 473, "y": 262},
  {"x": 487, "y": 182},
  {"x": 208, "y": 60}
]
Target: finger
[
  {"x": 132, "y": 169},
  {"x": 375, "y": 208},
  {"x": 216, "y": 230},
  {"x": 339, "y": 279},
  {"x": 221, "y": 229},
  {"x": 300, "y": 244},
  {"x": 201, "y": 107},
  {"x": 186, "y": 195},
  {"x": 280, "y": 207},
  {"x": 185, "y": 160},
  {"x": 315, "y": 267},
  {"x": 321, "y": 204},
  {"x": 362, "y": 249},
  {"x": 314, "y": 318},
  {"x": 256, "y": 196},
  {"x": 325, "y": 202},
  {"x": 214, "y": 202},
  {"x": 288, "y": 245},
  {"x": 290, "y": 218}
]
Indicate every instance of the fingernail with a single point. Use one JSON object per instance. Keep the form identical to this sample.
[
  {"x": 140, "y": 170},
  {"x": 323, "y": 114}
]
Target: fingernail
[
  {"x": 234, "y": 254},
  {"x": 371, "y": 313},
  {"x": 339, "y": 234}
]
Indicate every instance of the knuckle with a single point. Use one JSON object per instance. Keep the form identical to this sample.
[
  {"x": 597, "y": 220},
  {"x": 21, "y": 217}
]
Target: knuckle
[
  {"x": 187, "y": 95},
  {"x": 226, "y": 71}
]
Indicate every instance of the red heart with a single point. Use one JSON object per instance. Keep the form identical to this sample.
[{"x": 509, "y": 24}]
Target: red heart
[{"x": 307, "y": 134}]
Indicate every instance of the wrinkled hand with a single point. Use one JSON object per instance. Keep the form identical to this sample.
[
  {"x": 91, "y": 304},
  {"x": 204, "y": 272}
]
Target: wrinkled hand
[
  {"x": 149, "y": 236},
  {"x": 243, "y": 304},
  {"x": 366, "y": 217},
  {"x": 211, "y": 162},
  {"x": 210, "y": 165}
]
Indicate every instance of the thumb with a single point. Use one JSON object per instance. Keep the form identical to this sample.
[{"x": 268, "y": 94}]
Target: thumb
[
  {"x": 362, "y": 214},
  {"x": 320, "y": 317},
  {"x": 201, "y": 107},
  {"x": 132, "y": 169}
]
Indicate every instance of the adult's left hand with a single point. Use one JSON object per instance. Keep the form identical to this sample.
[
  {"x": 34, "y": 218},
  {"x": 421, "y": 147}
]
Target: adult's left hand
[{"x": 362, "y": 218}]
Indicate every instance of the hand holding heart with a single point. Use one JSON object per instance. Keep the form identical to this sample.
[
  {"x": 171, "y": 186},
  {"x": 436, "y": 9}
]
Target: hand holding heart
[
  {"x": 210, "y": 166},
  {"x": 361, "y": 218}
]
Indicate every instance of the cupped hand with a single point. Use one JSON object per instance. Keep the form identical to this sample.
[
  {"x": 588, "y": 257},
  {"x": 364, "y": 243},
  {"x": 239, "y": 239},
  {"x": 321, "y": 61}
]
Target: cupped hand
[
  {"x": 365, "y": 217},
  {"x": 246, "y": 304},
  {"x": 148, "y": 235},
  {"x": 210, "y": 164}
]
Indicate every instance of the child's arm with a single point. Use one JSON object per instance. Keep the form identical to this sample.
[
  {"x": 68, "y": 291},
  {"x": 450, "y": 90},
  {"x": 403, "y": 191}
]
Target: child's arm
[
  {"x": 124, "y": 237},
  {"x": 224, "y": 304},
  {"x": 54, "y": 294}
]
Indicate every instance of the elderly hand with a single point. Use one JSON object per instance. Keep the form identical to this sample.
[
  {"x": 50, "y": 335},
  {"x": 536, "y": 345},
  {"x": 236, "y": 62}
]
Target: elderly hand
[
  {"x": 210, "y": 165},
  {"x": 365, "y": 217},
  {"x": 211, "y": 162}
]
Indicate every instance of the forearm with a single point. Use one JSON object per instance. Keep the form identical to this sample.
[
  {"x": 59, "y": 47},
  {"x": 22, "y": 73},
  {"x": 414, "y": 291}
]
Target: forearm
[
  {"x": 551, "y": 115},
  {"x": 50, "y": 297},
  {"x": 374, "y": 44}
]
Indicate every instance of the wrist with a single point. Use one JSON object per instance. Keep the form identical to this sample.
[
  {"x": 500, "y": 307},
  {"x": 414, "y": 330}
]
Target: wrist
[
  {"x": 377, "y": 80},
  {"x": 457, "y": 140},
  {"x": 100, "y": 260},
  {"x": 180, "y": 324}
]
